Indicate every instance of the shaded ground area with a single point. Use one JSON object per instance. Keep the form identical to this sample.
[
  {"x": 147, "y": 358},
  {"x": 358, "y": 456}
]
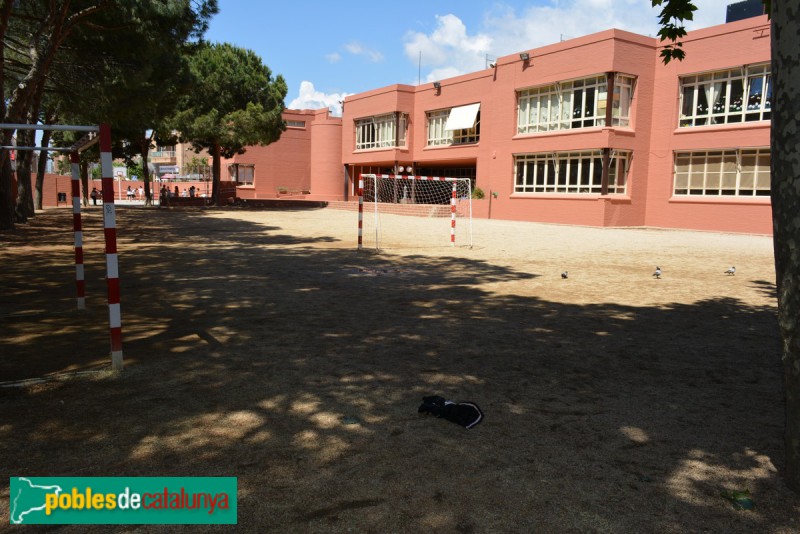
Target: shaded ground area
[{"x": 262, "y": 345}]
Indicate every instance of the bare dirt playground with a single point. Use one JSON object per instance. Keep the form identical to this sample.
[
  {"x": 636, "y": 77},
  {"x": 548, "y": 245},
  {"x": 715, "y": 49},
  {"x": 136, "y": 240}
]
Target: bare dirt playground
[{"x": 262, "y": 345}]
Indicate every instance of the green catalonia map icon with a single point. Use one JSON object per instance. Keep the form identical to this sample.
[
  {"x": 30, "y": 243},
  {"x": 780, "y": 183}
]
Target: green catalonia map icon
[{"x": 27, "y": 500}]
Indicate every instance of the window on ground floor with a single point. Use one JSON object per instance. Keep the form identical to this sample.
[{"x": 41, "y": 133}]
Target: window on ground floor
[
  {"x": 736, "y": 172},
  {"x": 242, "y": 173},
  {"x": 572, "y": 172}
]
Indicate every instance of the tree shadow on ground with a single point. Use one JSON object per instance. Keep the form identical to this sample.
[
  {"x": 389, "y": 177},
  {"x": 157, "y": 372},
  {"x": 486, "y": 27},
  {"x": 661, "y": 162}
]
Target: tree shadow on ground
[{"x": 299, "y": 369}]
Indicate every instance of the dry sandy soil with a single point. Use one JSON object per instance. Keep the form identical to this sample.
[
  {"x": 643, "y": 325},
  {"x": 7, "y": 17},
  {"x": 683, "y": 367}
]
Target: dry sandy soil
[{"x": 263, "y": 345}]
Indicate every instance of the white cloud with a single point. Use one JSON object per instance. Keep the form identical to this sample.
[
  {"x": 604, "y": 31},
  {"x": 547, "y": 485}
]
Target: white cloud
[
  {"x": 309, "y": 98},
  {"x": 450, "y": 49},
  {"x": 333, "y": 57},
  {"x": 357, "y": 49}
]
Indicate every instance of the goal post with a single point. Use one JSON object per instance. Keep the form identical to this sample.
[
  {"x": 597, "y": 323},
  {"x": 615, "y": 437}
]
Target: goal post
[
  {"x": 95, "y": 134},
  {"x": 396, "y": 210}
]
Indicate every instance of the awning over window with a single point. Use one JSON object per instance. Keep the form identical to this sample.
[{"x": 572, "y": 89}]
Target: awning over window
[{"x": 463, "y": 117}]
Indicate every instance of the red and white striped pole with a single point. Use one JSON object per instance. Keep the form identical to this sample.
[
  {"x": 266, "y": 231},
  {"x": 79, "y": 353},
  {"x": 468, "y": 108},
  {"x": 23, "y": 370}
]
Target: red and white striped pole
[
  {"x": 80, "y": 280},
  {"x": 360, "y": 211},
  {"x": 112, "y": 263},
  {"x": 453, "y": 216}
]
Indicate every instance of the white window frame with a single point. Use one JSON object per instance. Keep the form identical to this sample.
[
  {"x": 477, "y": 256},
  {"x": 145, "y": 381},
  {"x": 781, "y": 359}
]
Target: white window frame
[
  {"x": 622, "y": 100},
  {"x": 439, "y": 136},
  {"x": 713, "y": 98},
  {"x": 379, "y": 131},
  {"x": 240, "y": 177},
  {"x": 740, "y": 172},
  {"x": 577, "y": 172},
  {"x": 618, "y": 181},
  {"x": 296, "y": 124},
  {"x": 570, "y": 104}
]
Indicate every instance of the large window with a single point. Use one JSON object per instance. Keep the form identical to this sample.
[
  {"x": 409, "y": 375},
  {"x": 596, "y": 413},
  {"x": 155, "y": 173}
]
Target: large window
[
  {"x": 574, "y": 104},
  {"x": 456, "y": 126},
  {"x": 242, "y": 173},
  {"x": 381, "y": 131},
  {"x": 725, "y": 97},
  {"x": 571, "y": 172},
  {"x": 741, "y": 172}
]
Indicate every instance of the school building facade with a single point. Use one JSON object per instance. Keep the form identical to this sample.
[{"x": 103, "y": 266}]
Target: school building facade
[{"x": 591, "y": 131}]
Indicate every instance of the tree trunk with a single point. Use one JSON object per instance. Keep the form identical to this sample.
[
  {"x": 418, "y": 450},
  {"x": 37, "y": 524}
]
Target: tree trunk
[
  {"x": 84, "y": 176},
  {"x": 785, "y": 37},
  {"x": 41, "y": 168},
  {"x": 216, "y": 164},
  {"x": 6, "y": 181},
  {"x": 144, "y": 149},
  {"x": 23, "y": 208},
  {"x": 6, "y": 191}
]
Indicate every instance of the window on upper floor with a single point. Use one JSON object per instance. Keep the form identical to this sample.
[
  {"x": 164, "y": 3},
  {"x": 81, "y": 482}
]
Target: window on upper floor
[
  {"x": 295, "y": 124},
  {"x": 730, "y": 96},
  {"x": 455, "y": 126},
  {"x": 381, "y": 131},
  {"x": 166, "y": 151},
  {"x": 740, "y": 172},
  {"x": 574, "y": 104},
  {"x": 571, "y": 172}
]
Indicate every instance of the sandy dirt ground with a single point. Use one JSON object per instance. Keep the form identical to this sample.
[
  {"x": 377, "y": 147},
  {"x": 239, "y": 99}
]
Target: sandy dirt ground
[{"x": 263, "y": 345}]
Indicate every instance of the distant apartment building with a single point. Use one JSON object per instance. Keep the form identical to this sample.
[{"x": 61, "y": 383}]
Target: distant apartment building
[
  {"x": 591, "y": 131},
  {"x": 180, "y": 159}
]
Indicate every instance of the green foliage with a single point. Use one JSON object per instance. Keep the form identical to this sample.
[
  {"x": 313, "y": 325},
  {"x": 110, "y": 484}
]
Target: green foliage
[
  {"x": 671, "y": 19},
  {"x": 671, "y": 22},
  {"x": 135, "y": 169},
  {"x": 478, "y": 193},
  {"x": 234, "y": 101}
]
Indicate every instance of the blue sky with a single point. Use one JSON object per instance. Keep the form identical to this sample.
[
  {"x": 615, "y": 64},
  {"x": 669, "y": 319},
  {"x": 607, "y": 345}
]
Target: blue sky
[{"x": 326, "y": 51}]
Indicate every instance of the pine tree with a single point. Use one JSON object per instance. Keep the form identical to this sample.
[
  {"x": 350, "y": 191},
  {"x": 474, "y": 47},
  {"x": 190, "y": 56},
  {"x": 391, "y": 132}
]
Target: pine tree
[{"x": 235, "y": 102}]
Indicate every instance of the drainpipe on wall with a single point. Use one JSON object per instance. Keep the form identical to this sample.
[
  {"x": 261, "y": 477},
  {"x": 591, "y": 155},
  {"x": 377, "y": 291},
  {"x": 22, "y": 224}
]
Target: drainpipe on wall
[{"x": 609, "y": 119}]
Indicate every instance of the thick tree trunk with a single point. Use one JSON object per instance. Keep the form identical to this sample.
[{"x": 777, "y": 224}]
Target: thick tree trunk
[
  {"x": 6, "y": 181},
  {"x": 6, "y": 192},
  {"x": 23, "y": 208},
  {"x": 216, "y": 165},
  {"x": 785, "y": 37}
]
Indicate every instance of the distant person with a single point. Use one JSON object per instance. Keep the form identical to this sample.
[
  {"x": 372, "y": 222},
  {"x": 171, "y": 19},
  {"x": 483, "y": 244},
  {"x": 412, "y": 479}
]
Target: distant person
[
  {"x": 130, "y": 193},
  {"x": 163, "y": 196},
  {"x": 185, "y": 193},
  {"x": 141, "y": 192},
  {"x": 191, "y": 192},
  {"x": 95, "y": 194},
  {"x": 177, "y": 194}
]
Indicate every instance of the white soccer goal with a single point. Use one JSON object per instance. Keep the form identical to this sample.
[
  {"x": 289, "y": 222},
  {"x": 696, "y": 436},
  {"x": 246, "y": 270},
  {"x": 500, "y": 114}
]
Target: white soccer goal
[{"x": 398, "y": 211}]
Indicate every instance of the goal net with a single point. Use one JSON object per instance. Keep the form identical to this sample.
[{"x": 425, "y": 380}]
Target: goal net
[{"x": 398, "y": 211}]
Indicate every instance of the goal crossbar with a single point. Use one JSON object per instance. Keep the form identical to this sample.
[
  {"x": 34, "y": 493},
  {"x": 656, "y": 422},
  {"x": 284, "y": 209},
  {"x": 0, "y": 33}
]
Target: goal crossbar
[{"x": 423, "y": 200}]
